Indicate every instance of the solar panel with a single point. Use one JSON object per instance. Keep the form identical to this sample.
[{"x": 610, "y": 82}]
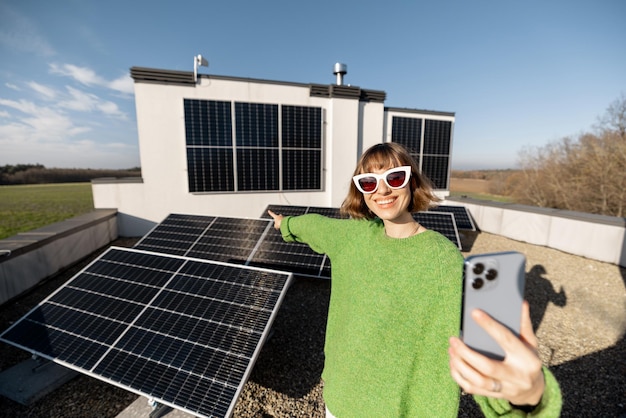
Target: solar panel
[
  {"x": 232, "y": 240},
  {"x": 252, "y": 242},
  {"x": 329, "y": 212},
  {"x": 301, "y": 210},
  {"x": 442, "y": 222},
  {"x": 284, "y": 210},
  {"x": 461, "y": 215},
  {"x": 184, "y": 332},
  {"x": 176, "y": 234},
  {"x": 295, "y": 257}
]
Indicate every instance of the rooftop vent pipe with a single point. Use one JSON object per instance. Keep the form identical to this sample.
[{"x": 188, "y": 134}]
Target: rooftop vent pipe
[{"x": 340, "y": 70}]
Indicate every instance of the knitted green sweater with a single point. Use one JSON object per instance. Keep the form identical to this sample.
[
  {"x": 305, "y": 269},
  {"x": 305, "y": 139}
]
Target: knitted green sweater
[{"x": 394, "y": 303}]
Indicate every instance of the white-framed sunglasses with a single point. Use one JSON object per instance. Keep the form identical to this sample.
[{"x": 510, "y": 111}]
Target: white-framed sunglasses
[{"x": 394, "y": 178}]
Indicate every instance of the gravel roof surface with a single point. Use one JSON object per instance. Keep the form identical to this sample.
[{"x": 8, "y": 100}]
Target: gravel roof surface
[{"x": 578, "y": 307}]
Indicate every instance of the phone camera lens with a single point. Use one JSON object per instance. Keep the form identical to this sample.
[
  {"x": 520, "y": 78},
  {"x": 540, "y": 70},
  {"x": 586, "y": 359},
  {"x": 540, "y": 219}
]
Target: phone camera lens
[
  {"x": 491, "y": 274},
  {"x": 477, "y": 283},
  {"x": 479, "y": 268}
]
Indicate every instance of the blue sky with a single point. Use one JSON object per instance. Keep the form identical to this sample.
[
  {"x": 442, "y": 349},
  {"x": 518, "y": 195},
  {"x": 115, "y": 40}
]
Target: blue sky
[{"x": 517, "y": 74}]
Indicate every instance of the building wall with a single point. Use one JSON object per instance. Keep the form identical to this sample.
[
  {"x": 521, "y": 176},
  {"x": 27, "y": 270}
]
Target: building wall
[{"x": 350, "y": 125}]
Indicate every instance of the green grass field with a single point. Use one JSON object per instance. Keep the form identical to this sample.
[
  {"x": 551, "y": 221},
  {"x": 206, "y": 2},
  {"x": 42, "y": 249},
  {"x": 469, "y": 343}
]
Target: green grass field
[{"x": 24, "y": 208}]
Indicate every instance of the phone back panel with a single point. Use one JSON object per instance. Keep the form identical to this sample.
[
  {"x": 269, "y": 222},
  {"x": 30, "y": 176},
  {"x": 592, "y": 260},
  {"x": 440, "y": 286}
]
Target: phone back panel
[{"x": 494, "y": 283}]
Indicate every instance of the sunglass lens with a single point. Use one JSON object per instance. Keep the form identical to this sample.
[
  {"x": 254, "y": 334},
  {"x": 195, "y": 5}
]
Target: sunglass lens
[
  {"x": 368, "y": 184},
  {"x": 396, "y": 179}
]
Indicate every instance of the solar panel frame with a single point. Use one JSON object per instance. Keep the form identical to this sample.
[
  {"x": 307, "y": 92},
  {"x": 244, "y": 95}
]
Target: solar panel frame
[
  {"x": 462, "y": 216},
  {"x": 445, "y": 223},
  {"x": 442, "y": 222},
  {"x": 287, "y": 210},
  {"x": 175, "y": 234},
  {"x": 251, "y": 242},
  {"x": 155, "y": 342},
  {"x": 296, "y": 257}
]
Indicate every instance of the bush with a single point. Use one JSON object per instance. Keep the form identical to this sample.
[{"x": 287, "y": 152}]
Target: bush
[{"x": 583, "y": 174}]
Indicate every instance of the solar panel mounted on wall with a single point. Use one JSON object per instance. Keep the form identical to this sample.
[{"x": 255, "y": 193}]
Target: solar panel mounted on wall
[
  {"x": 436, "y": 151},
  {"x": 208, "y": 137},
  {"x": 408, "y": 132},
  {"x": 181, "y": 331},
  {"x": 436, "y": 168},
  {"x": 254, "y": 150},
  {"x": 428, "y": 141},
  {"x": 301, "y": 147}
]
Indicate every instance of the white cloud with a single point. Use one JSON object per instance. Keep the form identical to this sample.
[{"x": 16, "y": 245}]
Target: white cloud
[
  {"x": 111, "y": 109},
  {"x": 88, "y": 102},
  {"x": 18, "y": 148},
  {"x": 88, "y": 77},
  {"x": 124, "y": 84},
  {"x": 71, "y": 127},
  {"x": 39, "y": 124},
  {"x": 22, "y": 105},
  {"x": 48, "y": 136},
  {"x": 79, "y": 101},
  {"x": 45, "y": 91},
  {"x": 83, "y": 75}
]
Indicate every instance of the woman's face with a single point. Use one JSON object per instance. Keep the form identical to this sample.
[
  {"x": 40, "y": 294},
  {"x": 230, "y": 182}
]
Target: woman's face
[{"x": 389, "y": 204}]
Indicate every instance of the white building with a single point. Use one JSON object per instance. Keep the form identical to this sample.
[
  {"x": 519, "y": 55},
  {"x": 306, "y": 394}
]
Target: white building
[{"x": 228, "y": 146}]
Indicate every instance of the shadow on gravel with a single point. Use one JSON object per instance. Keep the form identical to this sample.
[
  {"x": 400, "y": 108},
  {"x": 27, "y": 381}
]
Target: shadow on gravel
[
  {"x": 595, "y": 384},
  {"x": 292, "y": 359},
  {"x": 539, "y": 293}
]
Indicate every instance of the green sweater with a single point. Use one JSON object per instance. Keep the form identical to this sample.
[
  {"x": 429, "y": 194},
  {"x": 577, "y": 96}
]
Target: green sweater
[{"x": 394, "y": 303}]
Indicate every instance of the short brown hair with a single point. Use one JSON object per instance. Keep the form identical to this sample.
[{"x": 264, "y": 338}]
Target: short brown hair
[{"x": 382, "y": 156}]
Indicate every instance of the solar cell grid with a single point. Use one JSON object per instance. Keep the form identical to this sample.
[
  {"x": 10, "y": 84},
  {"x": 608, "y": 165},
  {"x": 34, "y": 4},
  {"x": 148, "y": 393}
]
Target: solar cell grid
[
  {"x": 441, "y": 222},
  {"x": 240, "y": 241},
  {"x": 176, "y": 234},
  {"x": 284, "y": 210},
  {"x": 461, "y": 215},
  {"x": 290, "y": 256},
  {"x": 229, "y": 239},
  {"x": 187, "y": 339},
  {"x": 329, "y": 212}
]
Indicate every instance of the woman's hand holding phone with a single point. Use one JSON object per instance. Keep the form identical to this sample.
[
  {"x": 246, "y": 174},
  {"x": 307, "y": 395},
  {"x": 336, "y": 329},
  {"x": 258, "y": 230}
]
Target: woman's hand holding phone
[{"x": 517, "y": 378}]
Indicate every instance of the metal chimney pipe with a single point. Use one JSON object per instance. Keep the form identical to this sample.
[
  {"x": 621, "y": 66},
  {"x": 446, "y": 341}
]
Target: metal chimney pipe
[{"x": 340, "y": 70}]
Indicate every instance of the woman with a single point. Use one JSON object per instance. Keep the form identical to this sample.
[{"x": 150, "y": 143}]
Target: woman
[{"x": 395, "y": 301}]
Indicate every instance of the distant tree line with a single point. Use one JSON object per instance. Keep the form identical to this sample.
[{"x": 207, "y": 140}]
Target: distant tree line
[
  {"x": 586, "y": 173},
  {"x": 38, "y": 174}
]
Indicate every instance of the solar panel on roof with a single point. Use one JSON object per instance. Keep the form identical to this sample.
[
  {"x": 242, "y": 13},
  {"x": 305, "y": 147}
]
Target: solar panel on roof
[
  {"x": 461, "y": 215},
  {"x": 284, "y": 210},
  {"x": 442, "y": 222},
  {"x": 329, "y": 212},
  {"x": 176, "y": 234},
  {"x": 252, "y": 242},
  {"x": 182, "y": 331},
  {"x": 296, "y": 257},
  {"x": 230, "y": 239},
  {"x": 301, "y": 210}
]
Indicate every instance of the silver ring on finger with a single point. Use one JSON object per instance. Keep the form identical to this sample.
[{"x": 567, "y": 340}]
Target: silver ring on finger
[{"x": 496, "y": 386}]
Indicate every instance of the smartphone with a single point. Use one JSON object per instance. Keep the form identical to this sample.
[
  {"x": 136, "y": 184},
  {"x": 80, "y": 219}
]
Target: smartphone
[{"x": 494, "y": 283}]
